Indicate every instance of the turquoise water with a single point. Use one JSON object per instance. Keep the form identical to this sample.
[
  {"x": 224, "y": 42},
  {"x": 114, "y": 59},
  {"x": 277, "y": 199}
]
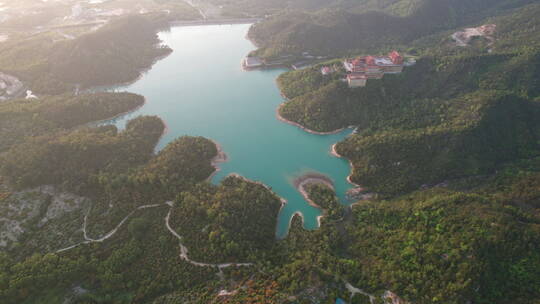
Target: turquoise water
[{"x": 200, "y": 89}]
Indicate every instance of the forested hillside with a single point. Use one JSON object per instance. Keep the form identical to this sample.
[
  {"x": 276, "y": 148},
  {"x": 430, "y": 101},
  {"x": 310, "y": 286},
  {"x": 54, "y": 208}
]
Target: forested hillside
[
  {"x": 86, "y": 203},
  {"x": 450, "y": 148},
  {"x": 338, "y": 32},
  {"x": 452, "y": 247},
  {"x": 72, "y": 157},
  {"x": 432, "y": 246},
  {"x": 23, "y": 118},
  {"x": 480, "y": 132},
  {"x": 226, "y": 223},
  {"x": 456, "y": 112},
  {"x": 115, "y": 53},
  {"x": 261, "y": 8}
]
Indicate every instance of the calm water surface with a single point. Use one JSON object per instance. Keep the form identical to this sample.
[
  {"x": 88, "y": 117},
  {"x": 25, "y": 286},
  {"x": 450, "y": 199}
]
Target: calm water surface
[{"x": 201, "y": 90}]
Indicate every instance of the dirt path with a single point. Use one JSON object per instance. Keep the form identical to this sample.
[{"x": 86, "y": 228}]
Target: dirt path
[
  {"x": 354, "y": 290},
  {"x": 388, "y": 297},
  {"x": 87, "y": 239},
  {"x": 112, "y": 232},
  {"x": 183, "y": 249}
]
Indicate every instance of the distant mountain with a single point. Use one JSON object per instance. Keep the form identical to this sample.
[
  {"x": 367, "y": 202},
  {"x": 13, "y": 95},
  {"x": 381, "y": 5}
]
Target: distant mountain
[
  {"x": 339, "y": 30},
  {"x": 261, "y": 7},
  {"x": 114, "y": 54}
]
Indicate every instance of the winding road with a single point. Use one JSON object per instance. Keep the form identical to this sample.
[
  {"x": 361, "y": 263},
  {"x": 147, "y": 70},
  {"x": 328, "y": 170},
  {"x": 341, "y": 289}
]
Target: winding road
[
  {"x": 183, "y": 249},
  {"x": 184, "y": 252}
]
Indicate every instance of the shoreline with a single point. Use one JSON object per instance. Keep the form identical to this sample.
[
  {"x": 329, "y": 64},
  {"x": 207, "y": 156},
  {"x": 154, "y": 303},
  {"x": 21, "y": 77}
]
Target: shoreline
[
  {"x": 297, "y": 213},
  {"x": 165, "y": 131},
  {"x": 262, "y": 67},
  {"x": 119, "y": 115},
  {"x": 250, "y": 39},
  {"x": 282, "y": 119},
  {"x": 358, "y": 189},
  {"x": 336, "y": 154},
  {"x": 122, "y": 85},
  {"x": 221, "y": 157},
  {"x": 282, "y": 200},
  {"x": 312, "y": 178}
]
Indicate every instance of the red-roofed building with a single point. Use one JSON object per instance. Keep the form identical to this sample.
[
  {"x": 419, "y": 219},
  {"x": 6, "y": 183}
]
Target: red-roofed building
[
  {"x": 357, "y": 65},
  {"x": 373, "y": 67},
  {"x": 396, "y": 57},
  {"x": 370, "y": 60}
]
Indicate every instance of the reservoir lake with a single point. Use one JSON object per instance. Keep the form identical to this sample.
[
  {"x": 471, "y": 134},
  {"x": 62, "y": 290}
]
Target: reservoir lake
[{"x": 201, "y": 90}]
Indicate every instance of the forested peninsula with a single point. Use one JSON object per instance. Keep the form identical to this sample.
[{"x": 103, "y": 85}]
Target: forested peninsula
[{"x": 115, "y": 53}]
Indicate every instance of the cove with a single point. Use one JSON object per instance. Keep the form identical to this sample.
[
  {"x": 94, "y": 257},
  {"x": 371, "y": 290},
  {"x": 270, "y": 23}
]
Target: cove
[{"x": 201, "y": 90}]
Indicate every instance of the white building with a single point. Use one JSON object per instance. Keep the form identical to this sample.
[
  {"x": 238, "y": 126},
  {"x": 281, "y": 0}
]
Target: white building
[
  {"x": 252, "y": 62},
  {"x": 356, "y": 80}
]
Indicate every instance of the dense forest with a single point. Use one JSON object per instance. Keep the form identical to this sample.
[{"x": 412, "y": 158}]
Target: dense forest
[
  {"x": 488, "y": 257},
  {"x": 295, "y": 32},
  {"x": 243, "y": 8},
  {"x": 72, "y": 157},
  {"x": 426, "y": 247},
  {"x": 115, "y": 53},
  {"x": 224, "y": 224},
  {"x": 488, "y": 130},
  {"x": 454, "y": 113},
  {"x": 450, "y": 147},
  {"x": 23, "y": 118},
  {"x": 326, "y": 199}
]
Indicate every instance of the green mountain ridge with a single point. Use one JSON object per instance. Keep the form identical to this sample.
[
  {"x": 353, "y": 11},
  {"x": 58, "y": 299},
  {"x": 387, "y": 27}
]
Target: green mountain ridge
[
  {"x": 298, "y": 32},
  {"x": 451, "y": 146},
  {"x": 116, "y": 53}
]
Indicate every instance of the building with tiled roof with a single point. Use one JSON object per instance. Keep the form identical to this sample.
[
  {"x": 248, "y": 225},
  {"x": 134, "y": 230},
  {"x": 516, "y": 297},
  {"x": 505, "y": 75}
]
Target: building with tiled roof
[{"x": 372, "y": 67}]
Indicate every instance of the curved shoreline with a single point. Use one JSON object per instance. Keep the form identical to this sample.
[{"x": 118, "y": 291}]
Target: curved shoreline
[
  {"x": 122, "y": 84},
  {"x": 312, "y": 178},
  {"x": 220, "y": 157},
  {"x": 282, "y": 200},
  {"x": 285, "y": 120},
  {"x": 117, "y": 116},
  {"x": 358, "y": 189},
  {"x": 336, "y": 154}
]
